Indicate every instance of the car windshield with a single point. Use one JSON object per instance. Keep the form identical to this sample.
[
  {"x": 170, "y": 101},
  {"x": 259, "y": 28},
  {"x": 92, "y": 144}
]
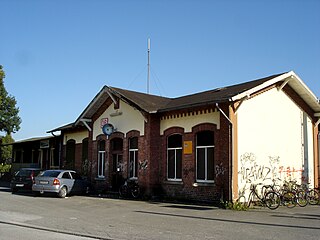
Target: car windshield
[
  {"x": 24, "y": 173},
  {"x": 50, "y": 174}
]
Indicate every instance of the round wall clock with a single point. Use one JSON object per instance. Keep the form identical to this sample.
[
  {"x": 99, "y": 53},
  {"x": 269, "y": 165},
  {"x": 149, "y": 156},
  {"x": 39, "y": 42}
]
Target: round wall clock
[{"x": 107, "y": 129}]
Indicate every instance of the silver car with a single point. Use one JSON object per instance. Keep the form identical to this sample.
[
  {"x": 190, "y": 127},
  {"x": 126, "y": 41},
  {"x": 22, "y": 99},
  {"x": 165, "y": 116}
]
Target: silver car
[{"x": 61, "y": 182}]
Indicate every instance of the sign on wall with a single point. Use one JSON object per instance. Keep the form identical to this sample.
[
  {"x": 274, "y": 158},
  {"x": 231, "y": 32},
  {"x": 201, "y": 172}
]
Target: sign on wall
[
  {"x": 187, "y": 147},
  {"x": 44, "y": 144},
  {"x": 104, "y": 121}
]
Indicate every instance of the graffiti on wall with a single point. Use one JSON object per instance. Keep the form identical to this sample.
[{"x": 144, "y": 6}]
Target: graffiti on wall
[
  {"x": 219, "y": 170},
  {"x": 143, "y": 165},
  {"x": 251, "y": 171},
  {"x": 268, "y": 172}
]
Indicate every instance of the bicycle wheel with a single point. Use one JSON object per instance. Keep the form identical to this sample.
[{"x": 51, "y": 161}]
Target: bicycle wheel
[
  {"x": 313, "y": 197},
  {"x": 250, "y": 200},
  {"x": 123, "y": 191},
  {"x": 289, "y": 199},
  {"x": 302, "y": 199},
  {"x": 135, "y": 191},
  {"x": 272, "y": 200},
  {"x": 241, "y": 199}
]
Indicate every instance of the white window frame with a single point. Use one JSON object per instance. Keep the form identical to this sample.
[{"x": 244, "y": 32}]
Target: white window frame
[
  {"x": 101, "y": 164},
  {"x": 40, "y": 158},
  {"x": 175, "y": 164},
  {"x": 133, "y": 161},
  {"x": 52, "y": 158},
  {"x": 205, "y": 180}
]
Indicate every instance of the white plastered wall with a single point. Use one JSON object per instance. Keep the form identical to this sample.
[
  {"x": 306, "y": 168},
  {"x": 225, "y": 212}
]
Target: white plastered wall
[
  {"x": 275, "y": 141},
  {"x": 189, "y": 121},
  {"x": 124, "y": 119}
]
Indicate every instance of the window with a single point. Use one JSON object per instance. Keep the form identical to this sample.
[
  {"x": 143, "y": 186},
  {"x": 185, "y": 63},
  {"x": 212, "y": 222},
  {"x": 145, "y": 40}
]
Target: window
[
  {"x": 85, "y": 163},
  {"x": 117, "y": 144},
  {"x": 52, "y": 162},
  {"x": 101, "y": 158},
  {"x": 66, "y": 175},
  {"x": 75, "y": 176},
  {"x": 174, "y": 153},
  {"x": 205, "y": 156},
  {"x": 70, "y": 154},
  {"x": 133, "y": 157}
]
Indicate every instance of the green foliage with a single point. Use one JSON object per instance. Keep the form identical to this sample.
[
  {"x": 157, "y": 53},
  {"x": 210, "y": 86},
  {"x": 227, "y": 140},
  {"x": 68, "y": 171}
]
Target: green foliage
[
  {"x": 9, "y": 119},
  {"x": 6, "y": 151},
  {"x": 238, "y": 206},
  {"x": 4, "y": 168}
]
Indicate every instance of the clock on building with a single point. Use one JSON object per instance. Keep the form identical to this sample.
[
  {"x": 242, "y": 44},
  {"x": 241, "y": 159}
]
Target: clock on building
[{"x": 107, "y": 129}]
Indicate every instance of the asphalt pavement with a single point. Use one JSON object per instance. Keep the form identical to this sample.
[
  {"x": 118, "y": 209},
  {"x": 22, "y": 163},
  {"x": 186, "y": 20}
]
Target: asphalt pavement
[{"x": 97, "y": 217}]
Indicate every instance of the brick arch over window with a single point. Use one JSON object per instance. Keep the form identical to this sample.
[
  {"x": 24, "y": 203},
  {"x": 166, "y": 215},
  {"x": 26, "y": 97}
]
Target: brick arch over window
[
  {"x": 101, "y": 137},
  {"x": 167, "y": 133},
  {"x": 133, "y": 133},
  {"x": 206, "y": 152},
  {"x": 70, "y": 154},
  {"x": 133, "y": 152},
  {"x": 116, "y": 135},
  {"x": 205, "y": 127},
  {"x": 84, "y": 157},
  {"x": 173, "y": 130}
]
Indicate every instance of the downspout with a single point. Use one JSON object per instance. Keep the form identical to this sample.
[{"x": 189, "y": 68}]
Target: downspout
[
  {"x": 317, "y": 146},
  {"x": 231, "y": 150}
]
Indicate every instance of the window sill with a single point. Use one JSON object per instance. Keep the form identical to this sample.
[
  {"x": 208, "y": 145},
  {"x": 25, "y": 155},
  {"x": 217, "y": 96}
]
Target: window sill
[
  {"x": 172, "y": 182},
  {"x": 100, "y": 179},
  {"x": 203, "y": 184}
]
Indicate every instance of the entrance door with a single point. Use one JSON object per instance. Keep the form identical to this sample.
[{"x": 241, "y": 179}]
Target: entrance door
[
  {"x": 116, "y": 171},
  {"x": 117, "y": 162}
]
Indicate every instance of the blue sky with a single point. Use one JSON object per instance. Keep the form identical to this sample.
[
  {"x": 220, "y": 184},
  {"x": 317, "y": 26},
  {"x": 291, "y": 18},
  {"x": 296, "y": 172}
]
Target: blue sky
[{"x": 57, "y": 55}]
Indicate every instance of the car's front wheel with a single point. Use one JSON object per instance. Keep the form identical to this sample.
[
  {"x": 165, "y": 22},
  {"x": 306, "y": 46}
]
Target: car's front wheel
[{"x": 63, "y": 192}]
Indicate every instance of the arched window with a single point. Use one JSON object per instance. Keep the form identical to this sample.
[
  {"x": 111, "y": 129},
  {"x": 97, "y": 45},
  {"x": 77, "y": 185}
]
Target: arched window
[
  {"x": 174, "y": 155},
  {"x": 85, "y": 162},
  {"x": 133, "y": 157},
  {"x": 70, "y": 154},
  {"x": 101, "y": 158},
  {"x": 205, "y": 156}
]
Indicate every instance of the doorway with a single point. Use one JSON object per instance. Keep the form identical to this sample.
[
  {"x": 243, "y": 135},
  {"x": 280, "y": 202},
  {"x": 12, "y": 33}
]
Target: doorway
[{"x": 117, "y": 163}]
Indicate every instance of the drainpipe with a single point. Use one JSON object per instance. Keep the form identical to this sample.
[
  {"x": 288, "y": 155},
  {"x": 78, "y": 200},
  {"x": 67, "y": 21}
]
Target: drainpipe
[{"x": 231, "y": 141}]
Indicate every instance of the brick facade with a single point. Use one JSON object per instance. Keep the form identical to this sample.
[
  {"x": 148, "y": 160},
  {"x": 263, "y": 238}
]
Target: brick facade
[
  {"x": 152, "y": 155},
  {"x": 152, "y": 146}
]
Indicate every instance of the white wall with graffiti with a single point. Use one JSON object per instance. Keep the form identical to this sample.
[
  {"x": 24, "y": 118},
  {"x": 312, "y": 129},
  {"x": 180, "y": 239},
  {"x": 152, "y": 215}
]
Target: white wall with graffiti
[{"x": 275, "y": 141}]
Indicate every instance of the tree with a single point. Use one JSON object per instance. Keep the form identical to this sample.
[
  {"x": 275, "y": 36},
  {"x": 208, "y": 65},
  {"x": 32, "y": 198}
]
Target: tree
[
  {"x": 9, "y": 119},
  {"x": 6, "y": 151}
]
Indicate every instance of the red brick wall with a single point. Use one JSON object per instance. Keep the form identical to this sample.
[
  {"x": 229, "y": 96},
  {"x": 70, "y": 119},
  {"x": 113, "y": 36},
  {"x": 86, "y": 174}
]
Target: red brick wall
[
  {"x": 153, "y": 161},
  {"x": 187, "y": 189},
  {"x": 150, "y": 156}
]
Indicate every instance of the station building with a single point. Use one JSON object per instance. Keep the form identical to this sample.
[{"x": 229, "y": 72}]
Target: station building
[{"x": 207, "y": 146}]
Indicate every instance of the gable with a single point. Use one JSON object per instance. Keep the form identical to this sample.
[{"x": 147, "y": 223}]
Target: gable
[{"x": 124, "y": 119}]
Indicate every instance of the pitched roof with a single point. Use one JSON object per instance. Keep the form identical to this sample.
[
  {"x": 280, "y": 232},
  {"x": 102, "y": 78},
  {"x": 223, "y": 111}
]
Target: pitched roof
[
  {"x": 34, "y": 139},
  {"x": 152, "y": 103},
  {"x": 147, "y": 102},
  {"x": 213, "y": 96}
]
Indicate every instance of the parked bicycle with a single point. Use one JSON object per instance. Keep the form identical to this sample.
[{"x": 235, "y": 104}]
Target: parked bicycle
[
  {"x": 130, "y": 188},
  {"x": 305, "y": 195},
  {"x": 270, "y": 198},
  {"x": 289, "y": 196}
]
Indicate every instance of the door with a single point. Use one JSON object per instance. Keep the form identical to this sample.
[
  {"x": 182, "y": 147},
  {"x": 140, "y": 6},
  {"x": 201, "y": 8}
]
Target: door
[{"x": 116, "y": 164}]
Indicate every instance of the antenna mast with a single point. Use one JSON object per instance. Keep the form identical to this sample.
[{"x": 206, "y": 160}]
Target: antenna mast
[{"x": 148, "y": 79}]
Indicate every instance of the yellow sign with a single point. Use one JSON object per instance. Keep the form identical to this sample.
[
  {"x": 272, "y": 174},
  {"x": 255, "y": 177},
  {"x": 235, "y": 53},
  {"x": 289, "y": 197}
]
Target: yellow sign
[{"x": 187, "y": 147}]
